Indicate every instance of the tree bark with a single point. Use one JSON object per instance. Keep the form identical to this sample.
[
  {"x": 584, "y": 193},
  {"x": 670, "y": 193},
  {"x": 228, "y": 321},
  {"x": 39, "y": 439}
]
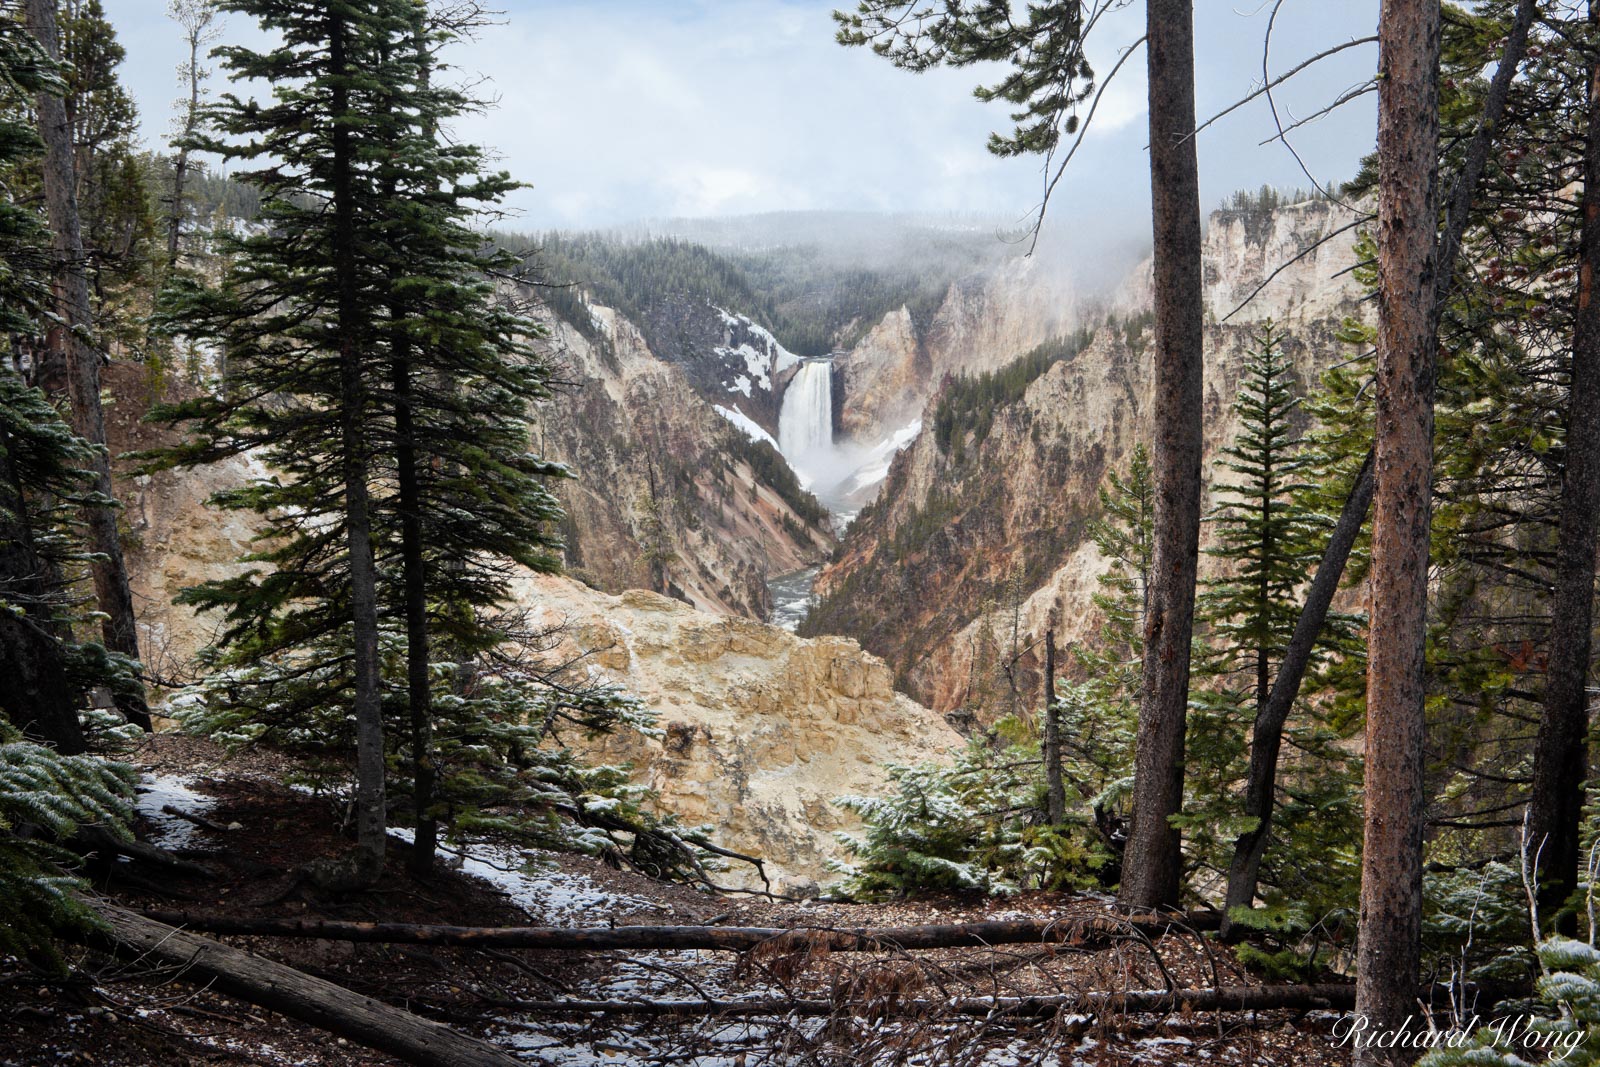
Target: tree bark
[
  {"x": 36, "y": 698},
  {"x": 1389, "y": 945},
  {"x": 112, "y": 593},
  {"x": 295, "y": 994},
  {"x": 1561, "y": 753},
  {"x": 1245, "y": 867},
  {"x": 1080, "y": 933},
  {"x": 370, "y": 815},
  {"x": 1153, "y": 862},
  {"x": 1055, "y": 787}
]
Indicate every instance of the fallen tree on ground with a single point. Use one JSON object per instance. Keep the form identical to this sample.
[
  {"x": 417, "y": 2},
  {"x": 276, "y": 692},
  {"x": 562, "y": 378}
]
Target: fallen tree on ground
[
  {"x": 1073, "y": 932},
  {"x": 293, "y": 993}
]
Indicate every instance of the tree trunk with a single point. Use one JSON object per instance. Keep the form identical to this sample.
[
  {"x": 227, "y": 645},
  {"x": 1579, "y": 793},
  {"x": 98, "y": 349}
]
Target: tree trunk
[
  {"x": 1266, "y": 739},
  {"x": 1081, "y": 933},
  {"x": 1389, "y": 946},
  {"x": 35, "y": 697},
  {"x": 1561, "y": 754},
  {"x": 1179, "y": 1002},
  {"x": 180, "y": 167},
  {"x": 1055, "y": 788},
  {"x": 1245, "y": 867},
  {"x": 298, "y": 995},
  {"x": 1152, "y": 864},
  {"x": 370, "y": 815},
  {"x": 112, "y": 594},
  {"x": 419, "y": 682}
]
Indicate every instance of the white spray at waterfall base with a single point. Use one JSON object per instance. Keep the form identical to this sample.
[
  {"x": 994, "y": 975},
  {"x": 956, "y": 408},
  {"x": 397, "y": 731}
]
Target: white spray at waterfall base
[{"x": 844, "y": 475}]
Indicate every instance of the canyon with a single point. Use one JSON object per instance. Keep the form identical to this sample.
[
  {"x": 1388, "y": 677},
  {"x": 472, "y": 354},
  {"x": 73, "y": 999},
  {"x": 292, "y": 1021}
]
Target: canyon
[{"x": 701, "y": 446}]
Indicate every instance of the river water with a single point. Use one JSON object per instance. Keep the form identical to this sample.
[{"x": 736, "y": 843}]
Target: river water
[{"x": 791, "y": 597}]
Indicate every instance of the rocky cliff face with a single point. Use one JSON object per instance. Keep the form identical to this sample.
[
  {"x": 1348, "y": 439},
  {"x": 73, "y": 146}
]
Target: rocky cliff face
[
  {"x": 968, "y": 549},
  {"x": 663, "y": 475},
  {"x": 984, "y": 322},
  {"x": 760, "y": 730}
]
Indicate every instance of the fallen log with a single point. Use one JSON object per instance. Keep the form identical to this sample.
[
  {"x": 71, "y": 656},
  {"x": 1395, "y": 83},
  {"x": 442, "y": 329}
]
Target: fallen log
[
  {"x": 1082, "y": 932},
  {"x": 97, "y": 841},
  {"x": 295, "y": 994},
  {"x": 1135, "y": 1002}
]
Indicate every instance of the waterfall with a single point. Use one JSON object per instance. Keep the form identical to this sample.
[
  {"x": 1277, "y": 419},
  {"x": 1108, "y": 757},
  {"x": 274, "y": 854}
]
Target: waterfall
[{"x": 805, "y": 424}]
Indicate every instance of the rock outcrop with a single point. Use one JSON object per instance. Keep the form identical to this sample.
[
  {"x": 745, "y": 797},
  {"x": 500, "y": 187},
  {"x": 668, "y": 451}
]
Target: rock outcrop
[
  {"x": 760, "y": 730},
  {"x": 967, "y": 550},
  {"x": 985, "y": 321}
]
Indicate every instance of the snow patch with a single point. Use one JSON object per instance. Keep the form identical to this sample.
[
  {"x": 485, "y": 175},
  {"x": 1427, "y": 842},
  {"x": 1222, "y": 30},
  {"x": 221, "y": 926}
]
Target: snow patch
[
  {"x": 556, "y": 897},
  {"x": 744, "y": 422},
  {"x": 764, "y": 358},
  {"x": 156, "y": 792}
]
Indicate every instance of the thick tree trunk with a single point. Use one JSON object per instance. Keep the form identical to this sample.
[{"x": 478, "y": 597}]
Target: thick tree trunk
[
  {"x": 1245, "y": 867},
  {"x": 1391, "y": 864},
  {"x": 1055, "y": 788},
  {"x": 1080, "y": 933},
  {"x": 35, "y": 697},
  {"x": 1561, "y": 754},
  {"x": 112, "y": 594},
  {"x": 298, "y": 995},
  {"x": 370, "y": 815},
  {"x": 1152, "y": 864}
]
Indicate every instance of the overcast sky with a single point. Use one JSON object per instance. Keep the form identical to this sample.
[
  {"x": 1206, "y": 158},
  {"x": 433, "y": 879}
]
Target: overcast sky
[{"x": 617, "y": 110}]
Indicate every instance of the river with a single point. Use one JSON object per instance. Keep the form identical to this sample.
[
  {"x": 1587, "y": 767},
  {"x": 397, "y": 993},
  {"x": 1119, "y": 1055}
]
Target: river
[{"x": 791, "y": 597}]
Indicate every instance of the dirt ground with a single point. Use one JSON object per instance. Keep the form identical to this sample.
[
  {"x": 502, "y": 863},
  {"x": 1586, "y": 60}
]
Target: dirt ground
[{"x": 115, "y": 1012}]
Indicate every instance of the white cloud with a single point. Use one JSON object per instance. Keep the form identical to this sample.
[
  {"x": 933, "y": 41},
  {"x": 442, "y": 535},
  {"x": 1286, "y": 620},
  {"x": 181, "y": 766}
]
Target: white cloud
[{"x": 615, "y": 110}]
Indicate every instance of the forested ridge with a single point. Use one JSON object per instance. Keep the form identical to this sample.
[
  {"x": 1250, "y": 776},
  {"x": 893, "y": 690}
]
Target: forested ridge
[{"x": 1314, "y": 764}]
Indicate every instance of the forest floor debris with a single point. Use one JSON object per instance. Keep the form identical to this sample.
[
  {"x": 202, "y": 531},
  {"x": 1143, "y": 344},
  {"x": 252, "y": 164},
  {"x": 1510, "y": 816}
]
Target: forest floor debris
[{"x": 118, "y": 1014}]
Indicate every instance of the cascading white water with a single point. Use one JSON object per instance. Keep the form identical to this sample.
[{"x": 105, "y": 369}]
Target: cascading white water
[{"x": 805, "y": 423}]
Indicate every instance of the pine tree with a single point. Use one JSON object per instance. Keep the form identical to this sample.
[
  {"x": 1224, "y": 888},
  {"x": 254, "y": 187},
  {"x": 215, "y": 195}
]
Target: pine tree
[
  {"x": 1263, "y": 531},
  {"x": 46, "y": 796},
  {"x": 70, "y": 355},
  {"x": 301, "y": 316},
  {"x": 197, "y": 20},
  {"x": 408, "y": 432}
]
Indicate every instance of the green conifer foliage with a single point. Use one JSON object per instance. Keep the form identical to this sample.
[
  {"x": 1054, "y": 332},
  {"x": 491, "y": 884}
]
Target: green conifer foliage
[
  {"x": 45, "y": 796},
  {"x": 379, "y": 368},
  {"x": 44, "y": 469},
  {"x": 1268, "y": 537}
]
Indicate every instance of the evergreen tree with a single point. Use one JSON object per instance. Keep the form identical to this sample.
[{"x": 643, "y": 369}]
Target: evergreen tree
[
  {"x": 301, "y": 316},
  {"x": 1263, "y": 531},
  {"x": 70, "y": 357},
  {"x": 197, "y": 20},
  {"x": 48, "y": 787},
  {"x": 393, "y": 386}
]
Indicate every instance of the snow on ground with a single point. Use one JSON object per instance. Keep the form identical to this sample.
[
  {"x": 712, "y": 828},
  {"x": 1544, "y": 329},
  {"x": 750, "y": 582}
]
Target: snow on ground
[
  {"x": 762, "y": 364},
  {"x": 535, "y": 884},
  {"x": 751, "y": 429},
  {"x": 156, "y": 792}
]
